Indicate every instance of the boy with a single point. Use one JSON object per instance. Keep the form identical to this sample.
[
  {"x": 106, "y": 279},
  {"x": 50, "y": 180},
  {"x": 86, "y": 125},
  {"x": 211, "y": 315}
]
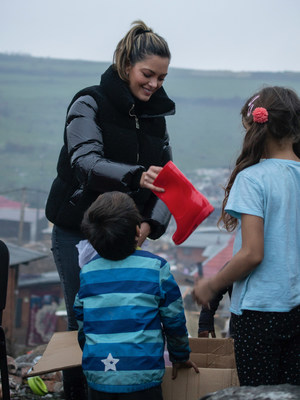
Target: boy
[{"x": 128, "y": 302}]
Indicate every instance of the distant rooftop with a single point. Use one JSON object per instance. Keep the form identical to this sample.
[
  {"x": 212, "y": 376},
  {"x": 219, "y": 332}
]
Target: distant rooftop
[
  {"x": 10, "y": 210},
  {"x": 7, "y": 203},
  {"x": 204, "y": 237},
  {"x": 38, "y": 279},
  {"x": 214, "y": 263},
  {"x": 21, "y": 255}
]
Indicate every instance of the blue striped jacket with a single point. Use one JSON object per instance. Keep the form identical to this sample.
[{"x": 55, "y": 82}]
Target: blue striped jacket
[{"x": 125, "y": 309}]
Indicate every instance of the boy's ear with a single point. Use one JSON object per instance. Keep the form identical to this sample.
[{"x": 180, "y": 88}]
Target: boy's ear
[{"x": 138, "y": 232}]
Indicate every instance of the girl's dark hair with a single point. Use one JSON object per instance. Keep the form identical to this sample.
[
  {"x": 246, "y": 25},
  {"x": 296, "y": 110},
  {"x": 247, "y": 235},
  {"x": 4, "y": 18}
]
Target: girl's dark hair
[
  {"x": 110, "y": 224},
  {"x": 139, "y": 42},
  {"x": 283, "y": 106}
]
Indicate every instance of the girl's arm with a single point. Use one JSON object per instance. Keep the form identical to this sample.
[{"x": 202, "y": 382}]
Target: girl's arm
[{"x": 243, "y": 262}]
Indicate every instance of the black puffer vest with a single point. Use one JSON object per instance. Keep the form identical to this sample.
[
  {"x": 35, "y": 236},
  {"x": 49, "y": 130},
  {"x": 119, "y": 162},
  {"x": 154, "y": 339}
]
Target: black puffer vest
[{"x": 132, "y": 135}]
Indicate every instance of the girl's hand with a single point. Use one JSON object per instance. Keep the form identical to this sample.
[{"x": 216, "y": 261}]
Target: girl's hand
[
  {"x": 149, "y": 177},
  {"x": 203, "y": 292}
]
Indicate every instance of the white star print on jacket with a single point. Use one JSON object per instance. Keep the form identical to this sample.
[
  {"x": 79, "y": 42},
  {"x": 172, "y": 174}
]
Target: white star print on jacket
[{"x": 110, "y": 363}]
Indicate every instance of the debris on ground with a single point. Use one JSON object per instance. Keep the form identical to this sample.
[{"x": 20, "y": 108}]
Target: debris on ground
[{"x": 19, "y": 367}]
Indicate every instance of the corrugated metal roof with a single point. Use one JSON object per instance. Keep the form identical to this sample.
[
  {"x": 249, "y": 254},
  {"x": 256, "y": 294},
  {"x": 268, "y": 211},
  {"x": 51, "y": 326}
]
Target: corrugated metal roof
[
  {"x": 21, "y": 255},
  {"x": 38, "y": 279},
  {"x": 212, "y": 265}
]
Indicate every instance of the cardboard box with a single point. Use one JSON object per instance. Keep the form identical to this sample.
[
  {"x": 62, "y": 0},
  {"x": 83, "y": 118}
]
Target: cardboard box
[
  {"x": 212, "y": 353},
  {"x": 216, "y": 362},
  {"x": 191, "y": 386},
  {"x": 213, "y": 356}
]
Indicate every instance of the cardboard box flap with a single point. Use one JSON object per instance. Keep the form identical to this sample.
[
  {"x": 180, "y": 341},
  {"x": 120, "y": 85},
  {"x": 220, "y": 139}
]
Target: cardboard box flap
[
  {"x": 62, "y": 352},
  {"x": 212, "y": 353},
  {"x": 191, "y": 386},
  {"x": 221, "y": 347}
]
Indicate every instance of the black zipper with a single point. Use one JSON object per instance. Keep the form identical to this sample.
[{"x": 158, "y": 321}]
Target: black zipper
[{"x": 137, "y": 127}]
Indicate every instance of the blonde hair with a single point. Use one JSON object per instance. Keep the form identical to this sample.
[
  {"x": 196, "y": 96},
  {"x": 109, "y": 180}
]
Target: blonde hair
[{"x": 139, "y": 42}]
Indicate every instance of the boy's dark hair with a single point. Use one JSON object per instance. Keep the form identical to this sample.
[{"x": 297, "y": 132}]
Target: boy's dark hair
[{"x": 110, "y": 224}]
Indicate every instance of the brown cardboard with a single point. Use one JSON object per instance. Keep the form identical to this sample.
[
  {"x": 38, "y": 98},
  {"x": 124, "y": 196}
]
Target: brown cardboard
[
  {"x": 191, "y": 386},
  {"x": 216, "y": 362},
  {"x": 62, "y": 352},
  {"x": 212, "y": 353},
  {"x": 213, "y": 356}
]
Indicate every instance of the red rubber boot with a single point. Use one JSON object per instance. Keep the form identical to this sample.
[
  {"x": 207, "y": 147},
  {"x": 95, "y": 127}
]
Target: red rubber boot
[{"x": 187, "y": 205}]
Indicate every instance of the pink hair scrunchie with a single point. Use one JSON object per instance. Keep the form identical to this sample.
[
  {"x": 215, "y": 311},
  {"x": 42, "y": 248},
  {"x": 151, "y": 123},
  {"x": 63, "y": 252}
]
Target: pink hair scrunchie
[{"x": 260, "y": 115}]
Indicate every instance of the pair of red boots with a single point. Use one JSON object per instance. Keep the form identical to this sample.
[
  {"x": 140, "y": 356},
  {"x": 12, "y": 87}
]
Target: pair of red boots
[{"x": 187, "y": 205}]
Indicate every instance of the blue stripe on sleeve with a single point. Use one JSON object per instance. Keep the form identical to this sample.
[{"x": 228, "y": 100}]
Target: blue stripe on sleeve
[
  {"x": 78, "y": 308},
  {"x": 171, "y": 296},
  {"x": 78, "y": 313},
  {"x": 169, "y": 284},
  {"x": 175, "y": 330},
  {"x": 173, "y": 309}
]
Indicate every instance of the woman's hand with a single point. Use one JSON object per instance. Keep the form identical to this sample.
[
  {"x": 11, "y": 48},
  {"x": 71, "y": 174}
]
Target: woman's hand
[
  {"x": 144, "y": 233},
  {"x": 149, "y": 177}
]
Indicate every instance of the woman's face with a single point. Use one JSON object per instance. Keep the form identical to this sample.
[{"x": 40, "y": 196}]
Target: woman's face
[{"x": 147, "y": 76}]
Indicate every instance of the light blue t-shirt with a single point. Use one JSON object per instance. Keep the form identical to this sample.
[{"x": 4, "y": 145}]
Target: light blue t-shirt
[{"x": 270, "y": 190}]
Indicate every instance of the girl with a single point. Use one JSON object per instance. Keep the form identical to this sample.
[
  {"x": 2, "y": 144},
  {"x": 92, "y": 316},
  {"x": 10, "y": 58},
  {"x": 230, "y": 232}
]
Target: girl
[
  {"x": 115, "y": 138},
  {"x": 262, "y": 202}
]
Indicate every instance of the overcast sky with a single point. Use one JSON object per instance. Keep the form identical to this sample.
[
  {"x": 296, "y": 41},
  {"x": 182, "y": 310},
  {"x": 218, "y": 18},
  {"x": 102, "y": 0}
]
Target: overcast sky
[{"x": 237, "y": 35}]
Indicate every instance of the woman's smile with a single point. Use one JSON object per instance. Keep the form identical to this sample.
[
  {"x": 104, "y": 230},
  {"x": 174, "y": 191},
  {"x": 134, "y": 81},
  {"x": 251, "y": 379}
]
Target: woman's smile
[{"x": 147, "y": 76}]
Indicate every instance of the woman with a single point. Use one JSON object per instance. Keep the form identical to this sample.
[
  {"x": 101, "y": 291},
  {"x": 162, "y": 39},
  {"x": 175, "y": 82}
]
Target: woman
[{"x": 115, "y": 139}]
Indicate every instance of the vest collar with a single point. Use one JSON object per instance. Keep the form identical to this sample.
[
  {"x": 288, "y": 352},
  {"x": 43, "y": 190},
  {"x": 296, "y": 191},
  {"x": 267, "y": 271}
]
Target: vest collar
[{"x": 119, "y": 94}]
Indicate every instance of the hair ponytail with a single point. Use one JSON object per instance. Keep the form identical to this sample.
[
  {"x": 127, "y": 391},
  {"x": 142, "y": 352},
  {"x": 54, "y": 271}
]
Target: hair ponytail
[{"x": 139, "y": 42}]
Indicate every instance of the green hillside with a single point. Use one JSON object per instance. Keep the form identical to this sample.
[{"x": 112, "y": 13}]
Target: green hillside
[{"x": 34, "y": 94}]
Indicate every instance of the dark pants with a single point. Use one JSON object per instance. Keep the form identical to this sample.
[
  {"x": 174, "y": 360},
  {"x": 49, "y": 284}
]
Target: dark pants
[
  {"x": 154, "y": 393},
  {"x": 267, "y": 347},
  {"x": 66, "y": 259}
]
